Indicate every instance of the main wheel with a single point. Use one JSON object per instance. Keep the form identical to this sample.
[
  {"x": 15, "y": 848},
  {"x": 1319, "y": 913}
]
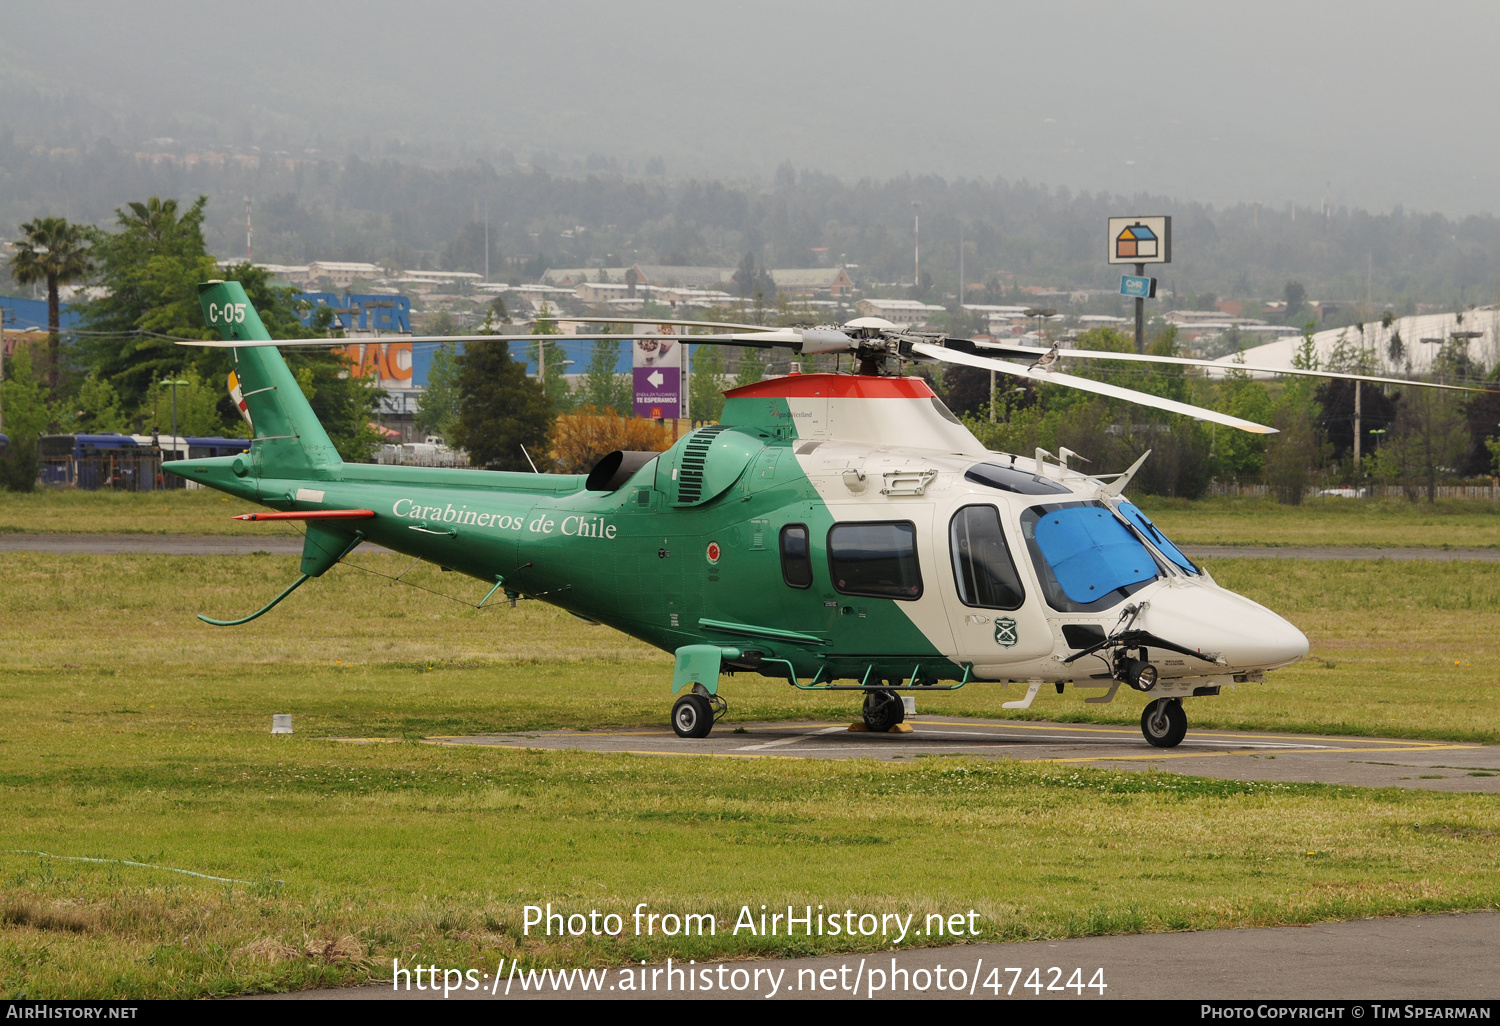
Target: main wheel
[
  {"x": 1164, "y": 723},
  {"x": 883, "y": 710},
  {"x": 692, "y": 716}
]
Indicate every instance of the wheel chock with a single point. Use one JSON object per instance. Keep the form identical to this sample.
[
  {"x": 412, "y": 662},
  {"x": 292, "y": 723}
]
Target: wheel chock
[{"x": 858, "y": 727}]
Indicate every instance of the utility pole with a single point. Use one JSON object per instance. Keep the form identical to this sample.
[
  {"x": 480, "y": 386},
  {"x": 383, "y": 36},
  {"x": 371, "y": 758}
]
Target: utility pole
[
  {"x": 916, "y": 251},
  {"x": 3, "y": 314},
  {"x": 249, "y": 234},
  {"x": 486, "y": 240},
  {"x": 1356, "y": 425},
  {"x": 963, "y": 289},
  {"x": 1140, "y": 314}
]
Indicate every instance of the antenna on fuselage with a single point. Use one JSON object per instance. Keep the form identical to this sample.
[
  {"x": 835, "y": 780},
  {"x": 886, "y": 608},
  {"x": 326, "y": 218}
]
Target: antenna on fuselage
[
  {"x": 1117, "y": 486},
  {"x": 529, "y": 460}
]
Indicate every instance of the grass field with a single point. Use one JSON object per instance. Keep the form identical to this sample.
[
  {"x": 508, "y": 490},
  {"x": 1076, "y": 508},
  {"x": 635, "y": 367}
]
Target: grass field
[
  {"x": 1385, "y": 524},
  {"x": 134, "y": 732}
]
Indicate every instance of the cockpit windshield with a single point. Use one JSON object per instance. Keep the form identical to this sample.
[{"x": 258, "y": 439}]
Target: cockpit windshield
[
  {"x": 1084, "y": 557},
  {"x": 1153, "y": 534}
]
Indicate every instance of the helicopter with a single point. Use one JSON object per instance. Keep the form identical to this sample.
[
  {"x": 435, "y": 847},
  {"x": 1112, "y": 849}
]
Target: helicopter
[{"x": 841, "y": 532}]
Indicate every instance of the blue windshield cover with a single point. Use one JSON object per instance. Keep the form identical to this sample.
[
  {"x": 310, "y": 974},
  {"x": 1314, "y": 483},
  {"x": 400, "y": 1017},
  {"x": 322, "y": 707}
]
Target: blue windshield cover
[
  {"x": 1090, "y": 552},
  {"x": 1133, "y": 514}
]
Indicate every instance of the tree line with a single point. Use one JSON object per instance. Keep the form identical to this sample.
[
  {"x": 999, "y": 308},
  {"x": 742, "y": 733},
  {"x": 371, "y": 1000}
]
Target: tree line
[
  {"x": 110, "y": 374},
  {"x": 404, "y": 214}
]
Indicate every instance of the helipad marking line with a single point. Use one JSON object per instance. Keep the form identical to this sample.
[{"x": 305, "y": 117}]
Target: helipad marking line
[
  {"x": 789, "y": 740},
  {"x": 1128, "y": 730},
  {"x": 1210, "y": 755},
  {"x": 1134, "y": 739}
]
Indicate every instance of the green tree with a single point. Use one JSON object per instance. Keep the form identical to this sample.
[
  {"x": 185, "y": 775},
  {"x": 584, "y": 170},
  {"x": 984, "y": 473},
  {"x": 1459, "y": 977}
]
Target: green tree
[
  {"x": 97, "y": 408},
  {"x": 198, "y": 410},
  {"x": 28, "y": 411},
  {"x": 604, "y": 388},
  {"x": 706, "y": 389},
  {"x": 751, "y": 367},
  {"x": 500, "y": 409},
  {"x": 1296, "y": 300},
  {"x": 1240, "y": 454},
  {"x": 150, "y": 271},
  {"x": 553, "y": 361},
  {"x": 437, "y": 407},
  {"x": 1427, "y": 440},
  {"x": 55, "y": 252}
]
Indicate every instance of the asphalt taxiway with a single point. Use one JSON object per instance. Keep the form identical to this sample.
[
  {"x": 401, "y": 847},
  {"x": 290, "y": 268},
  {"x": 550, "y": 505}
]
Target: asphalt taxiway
[
  {"x": 1439, "y": 957},
  {"x": 1236, "y": 755}
]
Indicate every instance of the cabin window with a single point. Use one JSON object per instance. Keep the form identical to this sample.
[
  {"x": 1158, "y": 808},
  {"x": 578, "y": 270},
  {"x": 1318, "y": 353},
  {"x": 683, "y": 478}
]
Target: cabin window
[
  {"x": 796, "y": 556},
  {"x": 875, "y": 559},
  {"x": 1085, "y": 558},
  {"x": 982, "y": 565}
]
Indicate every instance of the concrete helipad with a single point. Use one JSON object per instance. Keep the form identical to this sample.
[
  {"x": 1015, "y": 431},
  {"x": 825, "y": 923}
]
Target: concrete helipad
[{"x": 1240, "y": 755}]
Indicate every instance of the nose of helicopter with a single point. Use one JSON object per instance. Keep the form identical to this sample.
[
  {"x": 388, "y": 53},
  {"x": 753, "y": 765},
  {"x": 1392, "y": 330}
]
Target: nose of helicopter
[{"x": 1246, "y": 634}]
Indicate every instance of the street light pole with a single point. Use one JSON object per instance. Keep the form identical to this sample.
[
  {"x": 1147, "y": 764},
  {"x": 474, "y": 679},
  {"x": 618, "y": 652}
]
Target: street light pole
[{"x": 174, "y": 383}]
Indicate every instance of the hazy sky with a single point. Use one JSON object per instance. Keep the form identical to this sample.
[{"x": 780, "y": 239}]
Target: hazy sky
[{"x": 1372, "y": 103}]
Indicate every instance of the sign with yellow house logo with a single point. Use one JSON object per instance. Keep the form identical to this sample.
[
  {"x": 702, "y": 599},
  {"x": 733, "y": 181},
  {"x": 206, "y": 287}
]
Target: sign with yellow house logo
[{"x": 1140, "y": 240}]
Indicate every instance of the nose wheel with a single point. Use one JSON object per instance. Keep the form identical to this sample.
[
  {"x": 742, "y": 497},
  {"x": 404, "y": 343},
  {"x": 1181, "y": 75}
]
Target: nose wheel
[
  {"x": 694, "y": 714},
  {"x": 1164, "y": 723}
]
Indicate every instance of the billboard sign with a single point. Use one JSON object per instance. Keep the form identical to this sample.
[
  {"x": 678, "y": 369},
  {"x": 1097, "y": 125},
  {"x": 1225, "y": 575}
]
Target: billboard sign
[
  {"x": 389, "y": 363},
  {"x": 656, "y": 371},
  {"x": 1140, "y": 240}
]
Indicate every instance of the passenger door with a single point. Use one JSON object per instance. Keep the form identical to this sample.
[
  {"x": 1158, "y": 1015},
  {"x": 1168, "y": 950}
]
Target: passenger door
[{"x": 996, "y": 618}]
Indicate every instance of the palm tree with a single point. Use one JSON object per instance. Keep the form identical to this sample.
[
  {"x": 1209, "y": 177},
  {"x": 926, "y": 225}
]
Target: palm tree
[{"x": 56, "y": 252}]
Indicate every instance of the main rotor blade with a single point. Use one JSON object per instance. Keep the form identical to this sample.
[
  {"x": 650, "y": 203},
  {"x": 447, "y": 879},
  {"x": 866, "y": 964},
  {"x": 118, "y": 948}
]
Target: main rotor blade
[
  {"x": 1089, "y": 385},
  {"x": 765, "y": 339},
  {"x": 1183, "y": 361},
  {"x": 728, "y": 325}
]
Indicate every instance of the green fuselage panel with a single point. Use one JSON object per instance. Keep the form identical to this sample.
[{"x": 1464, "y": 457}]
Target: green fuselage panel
[{"x": 632, "y": 558}]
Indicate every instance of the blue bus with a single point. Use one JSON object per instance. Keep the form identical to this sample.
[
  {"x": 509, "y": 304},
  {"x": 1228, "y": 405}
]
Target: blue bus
[{"x": 128, "y": 463}]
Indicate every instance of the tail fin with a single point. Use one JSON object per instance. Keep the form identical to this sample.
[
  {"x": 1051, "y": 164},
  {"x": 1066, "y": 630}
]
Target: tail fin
[{"x": 289, "y": 441}]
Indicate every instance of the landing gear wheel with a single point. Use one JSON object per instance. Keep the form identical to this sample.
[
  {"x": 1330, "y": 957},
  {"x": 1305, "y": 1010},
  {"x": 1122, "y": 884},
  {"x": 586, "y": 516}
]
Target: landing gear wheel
[
  {"x": 1164, "y": 723},
  {"x": 883, "y": 710},
  {"x": 692, "y": 716}
]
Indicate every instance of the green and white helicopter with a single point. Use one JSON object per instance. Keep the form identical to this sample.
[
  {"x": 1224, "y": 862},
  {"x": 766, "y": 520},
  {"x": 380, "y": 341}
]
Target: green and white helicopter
[{"x": 838, "y": 531}]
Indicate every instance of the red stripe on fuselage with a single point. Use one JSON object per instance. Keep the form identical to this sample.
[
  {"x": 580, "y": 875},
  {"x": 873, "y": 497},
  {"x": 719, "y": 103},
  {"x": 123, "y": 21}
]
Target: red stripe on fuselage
[
  {"x": 311, "y": 514},
  {"x": 836, "y": 386}
]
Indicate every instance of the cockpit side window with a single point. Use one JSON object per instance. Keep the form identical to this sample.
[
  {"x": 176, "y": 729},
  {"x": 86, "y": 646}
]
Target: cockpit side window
[
  {"x": 982, "y": 565},
  {"x": 1085, "y": 559},
  {"x": 1153, "y": 534},
  {"x": 796, "y": 559}
]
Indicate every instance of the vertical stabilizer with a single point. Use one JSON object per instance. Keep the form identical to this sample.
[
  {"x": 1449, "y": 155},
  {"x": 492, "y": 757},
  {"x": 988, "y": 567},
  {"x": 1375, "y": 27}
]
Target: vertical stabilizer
[{"x": 289, "y": 441}]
